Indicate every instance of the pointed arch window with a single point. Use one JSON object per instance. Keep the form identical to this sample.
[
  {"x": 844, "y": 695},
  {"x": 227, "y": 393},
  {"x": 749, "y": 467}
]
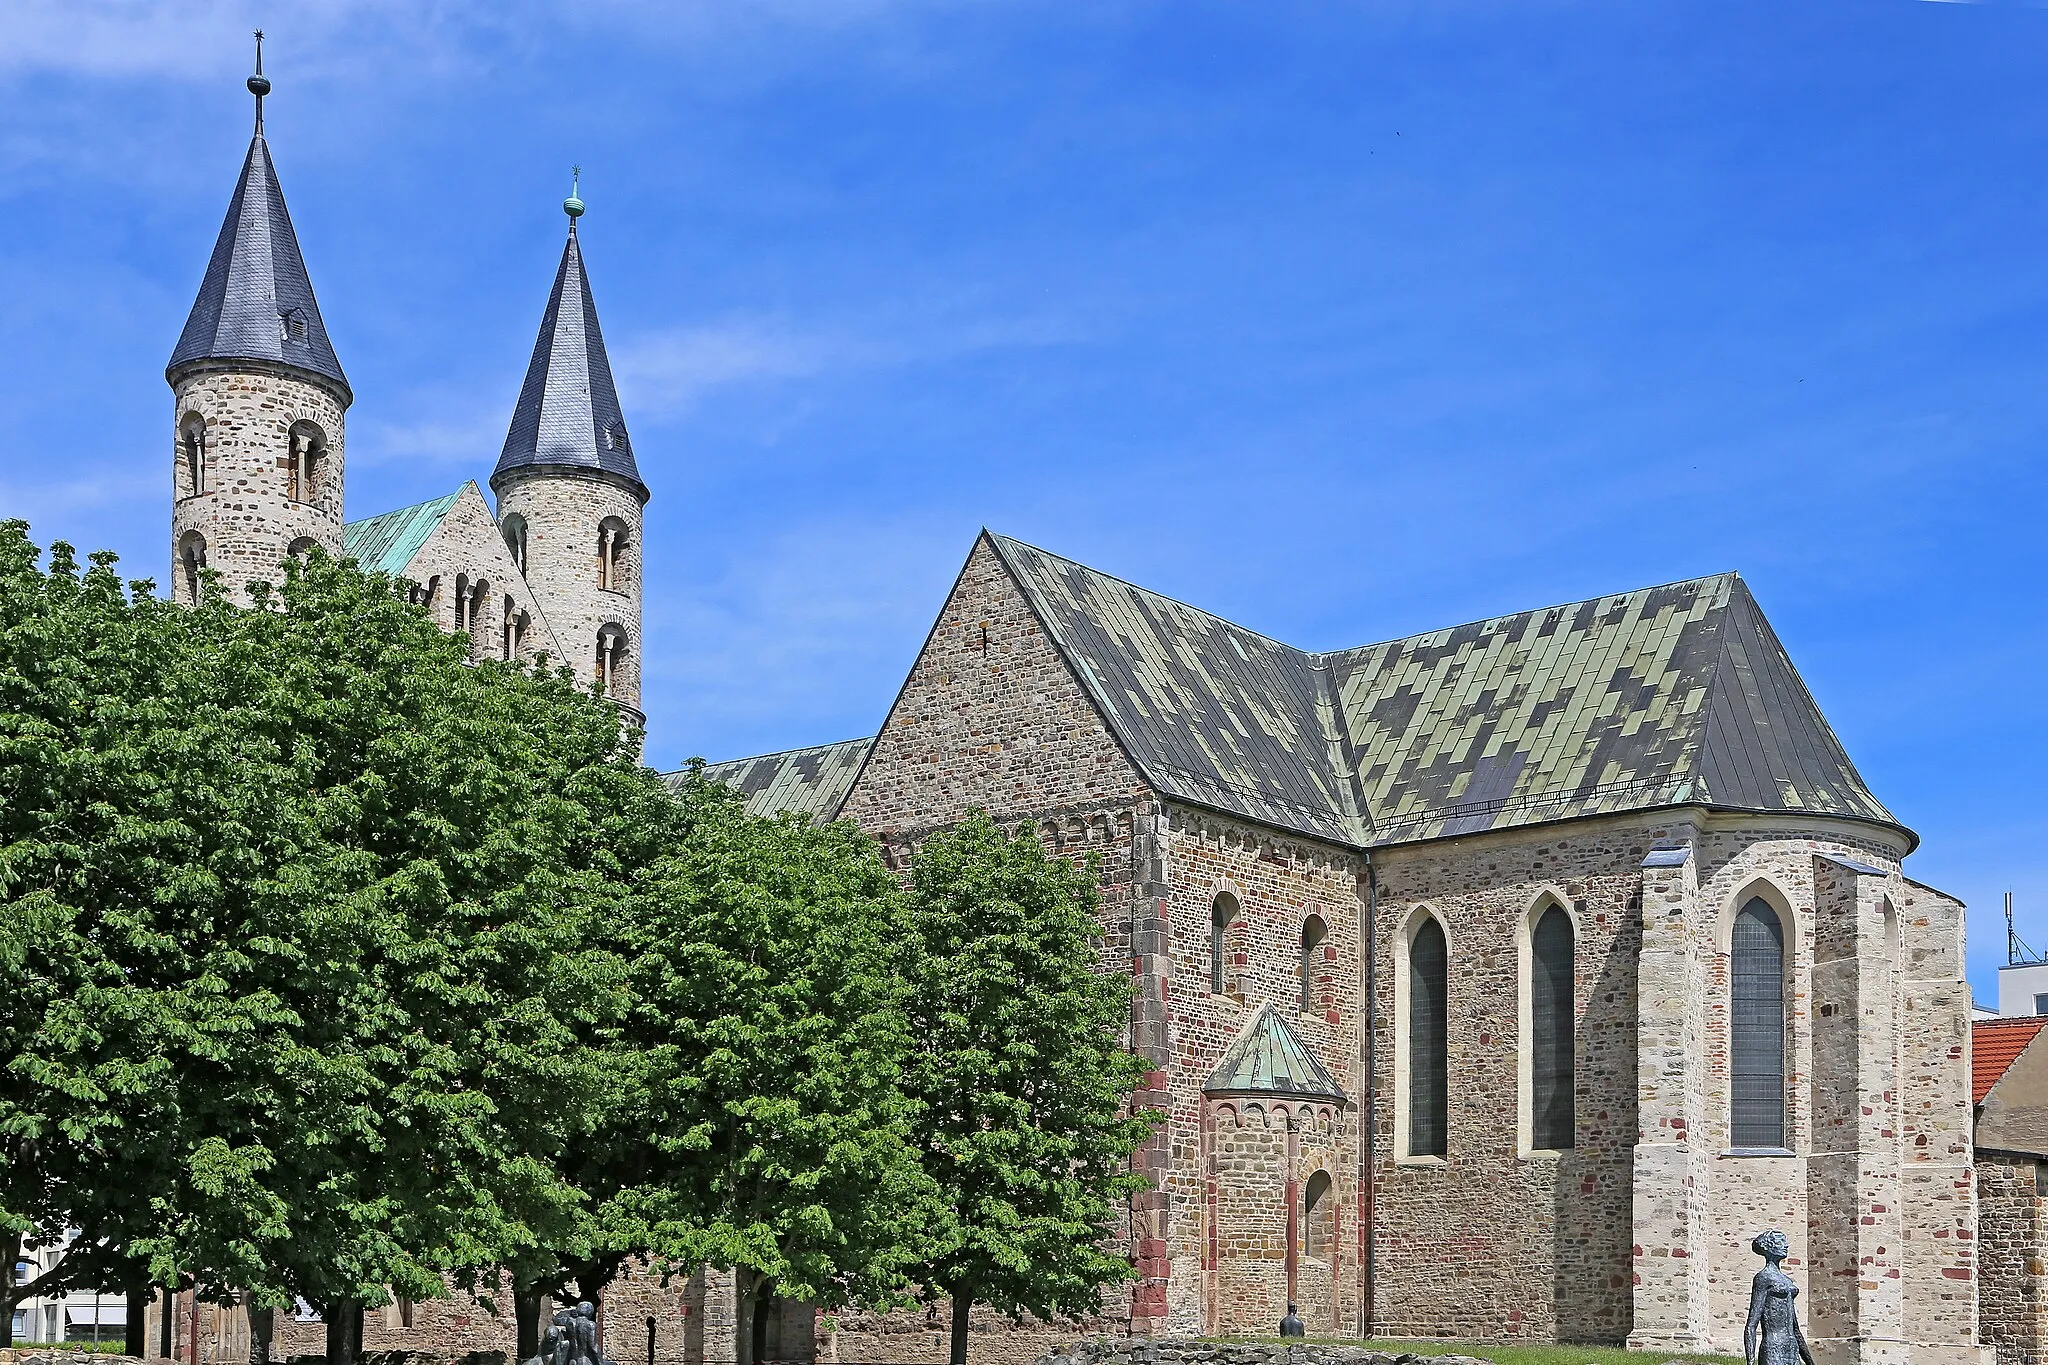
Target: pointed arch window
[
  {"x": 1223, "y": 916},
  {"x": 1429, "y": 1026},
  {"x": 1313, "y": 934},
  {"x": 1756, "y": 1027},
  {"x": 1552, "y": 1031},
  {"x": 192, "y": 455}
]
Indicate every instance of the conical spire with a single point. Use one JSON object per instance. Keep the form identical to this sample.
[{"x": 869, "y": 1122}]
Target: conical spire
[
  {"x": 256, "y": 302},
  {"x": 568, "y": 411}
]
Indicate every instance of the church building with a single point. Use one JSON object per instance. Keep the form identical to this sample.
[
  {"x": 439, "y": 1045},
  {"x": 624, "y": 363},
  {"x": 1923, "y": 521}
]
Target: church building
[{"x": 1498, "y": 983}]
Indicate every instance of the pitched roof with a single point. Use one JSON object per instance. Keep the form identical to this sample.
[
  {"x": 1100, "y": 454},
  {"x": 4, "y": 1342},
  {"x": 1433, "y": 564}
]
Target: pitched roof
[
  {"x": 387, "y": 542},
  {"x": 811, "y": 781},
  {"x": 1674, "y": 695},
  {"x": 256, "y": 301},
  {"x": 1995, "y": 1044},
  {"x": 568, "y": 411},
  {"x": 1269, "y": 1058}
]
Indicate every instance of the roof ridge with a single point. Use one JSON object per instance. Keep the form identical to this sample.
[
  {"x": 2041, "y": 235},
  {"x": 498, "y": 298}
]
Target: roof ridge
[
  {"x": 776, "y": 753},
  {"x": 1149, "y": 592},
  {"x": 1730, "y": 574},
  {"x": 449, "y": 498}
]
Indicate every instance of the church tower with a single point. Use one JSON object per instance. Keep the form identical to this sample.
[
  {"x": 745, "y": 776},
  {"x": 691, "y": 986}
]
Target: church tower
[
  {"x": 569, "y": 493},
  {"x": 260, "y": 397}
]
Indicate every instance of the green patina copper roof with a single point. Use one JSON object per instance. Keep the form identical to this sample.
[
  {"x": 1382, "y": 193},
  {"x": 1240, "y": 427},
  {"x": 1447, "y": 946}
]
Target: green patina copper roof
[
  {"x": 388, "y": 542},
  {"x": 811, "y": 781},
  {"x": 1269, "y": 1058},
  {"x": 1666, "y": 696}
]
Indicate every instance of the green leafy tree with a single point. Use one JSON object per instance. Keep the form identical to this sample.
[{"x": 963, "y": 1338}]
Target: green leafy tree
[{"x": 1022, "y": 1084}]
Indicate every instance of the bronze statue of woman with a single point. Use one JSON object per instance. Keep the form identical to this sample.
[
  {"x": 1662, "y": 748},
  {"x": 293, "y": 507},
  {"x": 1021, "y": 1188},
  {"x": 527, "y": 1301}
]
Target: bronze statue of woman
[{"x": 1772, "y": 1336}]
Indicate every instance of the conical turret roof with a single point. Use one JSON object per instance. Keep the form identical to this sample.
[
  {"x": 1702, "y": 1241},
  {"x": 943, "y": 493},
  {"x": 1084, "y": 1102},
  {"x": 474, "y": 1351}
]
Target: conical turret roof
[
  {"x": 256, "y": 302},
  {"x": 568, "y": 411}
]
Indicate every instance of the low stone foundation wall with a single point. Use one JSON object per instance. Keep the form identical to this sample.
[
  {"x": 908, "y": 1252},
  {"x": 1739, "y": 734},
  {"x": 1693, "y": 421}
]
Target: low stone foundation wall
[{"x": 1141, "y": 1351}]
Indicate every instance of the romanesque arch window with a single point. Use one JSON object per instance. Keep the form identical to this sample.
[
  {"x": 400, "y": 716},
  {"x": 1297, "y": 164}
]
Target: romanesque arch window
[
  {"x": 301, "y": 547},
  {"x": 1756, "y": 1027},
  {"x": 611, "y": 657},
  {"x": 192, "y": 560},
  {"x": 477, "y": 618},
  {"x": 192, "y": 455},
  {"x": 462, "y": 602},
  {"x": 1313, "y": 932},
  {"x": 1319, "y": 1218},
  {"x": 1429, "y": 1027},
  {"x": 1223, "y": 916},
  {"x": 1552, "y": 1031},
  {"x": 514, "y": 530},
  {"x": 307, "y": 453},
  {"x": 514, "y": 631},
  {"x": 611, "y": 554}
]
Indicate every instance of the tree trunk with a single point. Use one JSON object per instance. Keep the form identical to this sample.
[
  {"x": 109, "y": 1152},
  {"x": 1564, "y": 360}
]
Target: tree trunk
[
  {"x": 962, "y": 1306},
  {"x": 135, "y": 1335},
  {"x": 262, "y": 1328},
  {"x": 167, "y": 1322},
  {"x": 526, "y": 1305},
  {"x": 344, "y": 1331},
  {"x": 10, "y": 1248}
]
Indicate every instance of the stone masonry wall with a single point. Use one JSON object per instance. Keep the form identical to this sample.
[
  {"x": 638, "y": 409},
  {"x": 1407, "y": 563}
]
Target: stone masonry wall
[
  {"x": 563, "y": 509},
  {"x": 245, "y": 512},
  {"x": 1278, "y": 882},
  {"x": 2012, "y": 1239},
  {"x": 467, "y": 545}
]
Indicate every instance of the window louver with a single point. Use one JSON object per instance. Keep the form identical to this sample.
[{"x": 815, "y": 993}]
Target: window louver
[{"x": 1757, "y": 1027}]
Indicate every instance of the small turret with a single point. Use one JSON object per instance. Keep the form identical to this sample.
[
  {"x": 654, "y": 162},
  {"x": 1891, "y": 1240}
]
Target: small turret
[
  {"x": 569, "y": 491},
  {"x": 260, "y": 397}
]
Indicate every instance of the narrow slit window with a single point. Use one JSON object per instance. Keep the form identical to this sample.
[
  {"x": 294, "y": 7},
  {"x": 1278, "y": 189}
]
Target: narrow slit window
[
  {"x": 1428, "y": 1041},
  {"x": 1756, "y": 1026},
  {"x": 1552, "y": 1032},
  {"x": 1222, "y": 922}
]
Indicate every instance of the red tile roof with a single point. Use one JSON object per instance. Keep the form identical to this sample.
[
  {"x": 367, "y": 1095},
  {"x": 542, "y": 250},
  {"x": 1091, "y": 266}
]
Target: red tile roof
[{"x": 1994, "y": 1045}]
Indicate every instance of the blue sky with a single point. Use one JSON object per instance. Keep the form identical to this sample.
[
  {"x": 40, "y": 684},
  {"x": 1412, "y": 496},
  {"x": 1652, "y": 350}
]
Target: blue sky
[{"x": 1344, "y": 321}]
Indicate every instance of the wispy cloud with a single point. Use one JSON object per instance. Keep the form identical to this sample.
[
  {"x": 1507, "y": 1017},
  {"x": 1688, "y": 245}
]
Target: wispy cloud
[
  {"x": 62, "y": 497},
  {"x": 468, "y": 435}
]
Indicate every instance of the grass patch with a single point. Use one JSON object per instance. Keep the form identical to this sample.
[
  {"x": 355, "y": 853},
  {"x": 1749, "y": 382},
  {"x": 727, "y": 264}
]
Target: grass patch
[{"x": 1502, "y": 1353}]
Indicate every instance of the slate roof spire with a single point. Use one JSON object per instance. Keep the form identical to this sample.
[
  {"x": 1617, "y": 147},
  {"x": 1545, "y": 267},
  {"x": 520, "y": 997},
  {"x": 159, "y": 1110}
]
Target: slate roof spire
[
  {"x": 256, "y": 302},
  {"x": 568, "y": 412}
]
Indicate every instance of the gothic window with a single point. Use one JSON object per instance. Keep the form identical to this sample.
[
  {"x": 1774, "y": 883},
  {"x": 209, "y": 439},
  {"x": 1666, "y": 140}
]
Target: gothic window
[
  {"x": 611, "y": 654},
  {"x": 1222, "y": 930},
  {"x": 192, "y": 559},
  {"x": 1552, "y": 1036},
  {"x": 1319, "y": 1218},
  {"x": 1429, "y": 1027},
  {"x": 1313, "y": 932},
  {"x": 1756, "y": 1027},
  {"x": 514, "y": 529},
  {"x": 611, "y": 554},
  {"x": 307, "y": 453},
  {"x": 192, "y": 455}
]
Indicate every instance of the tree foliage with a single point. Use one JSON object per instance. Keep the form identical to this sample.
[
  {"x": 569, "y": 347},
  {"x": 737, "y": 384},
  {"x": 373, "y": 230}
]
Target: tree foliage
[{"x": 1022, "y": 1083}]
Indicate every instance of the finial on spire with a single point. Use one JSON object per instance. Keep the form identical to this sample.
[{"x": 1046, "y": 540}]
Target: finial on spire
[
  {"x": 572, "y": 205},
  {"x": 259, "y": 84}
]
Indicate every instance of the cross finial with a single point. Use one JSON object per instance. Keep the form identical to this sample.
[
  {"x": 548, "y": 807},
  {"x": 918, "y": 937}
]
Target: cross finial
[
  {"x": 259, "y": 84},
  {"x": 573, "y": 206}
]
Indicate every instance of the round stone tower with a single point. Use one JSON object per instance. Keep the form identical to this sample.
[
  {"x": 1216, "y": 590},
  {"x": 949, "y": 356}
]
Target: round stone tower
[
  {"x": 570, "y": 496},
  {"x": 259, "y": 399}
]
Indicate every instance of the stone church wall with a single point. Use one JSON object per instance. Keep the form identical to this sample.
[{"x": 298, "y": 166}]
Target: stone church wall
[{"x": 2012, "y": 1237}]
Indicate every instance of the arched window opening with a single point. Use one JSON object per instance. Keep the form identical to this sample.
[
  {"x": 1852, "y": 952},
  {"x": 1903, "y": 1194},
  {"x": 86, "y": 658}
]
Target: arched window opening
[
  {"x": 1756, "y": 1027},
  {"x": 514, "y": 530},
  {"x": 1222, "y": 930},
  {"x": 192, "y": 558},
  {"x": 462, "y": 602},
  {"x": 192, "y": 455},
  {"x": 307, "y": 454},
  {"x": 1319, "y": 1218},
  {"x": 611, "y": 654},
  {"x": 1313, "y": 932},
  {"x": 478, "y": 617},
  {"x": 1429, "y": 1027},
  {"x": 611, "y": 554},
  {"x": 430, "y": 596},
  {"x": 1552, "y": 1032},
  {"x": 301, "y": 547}
]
